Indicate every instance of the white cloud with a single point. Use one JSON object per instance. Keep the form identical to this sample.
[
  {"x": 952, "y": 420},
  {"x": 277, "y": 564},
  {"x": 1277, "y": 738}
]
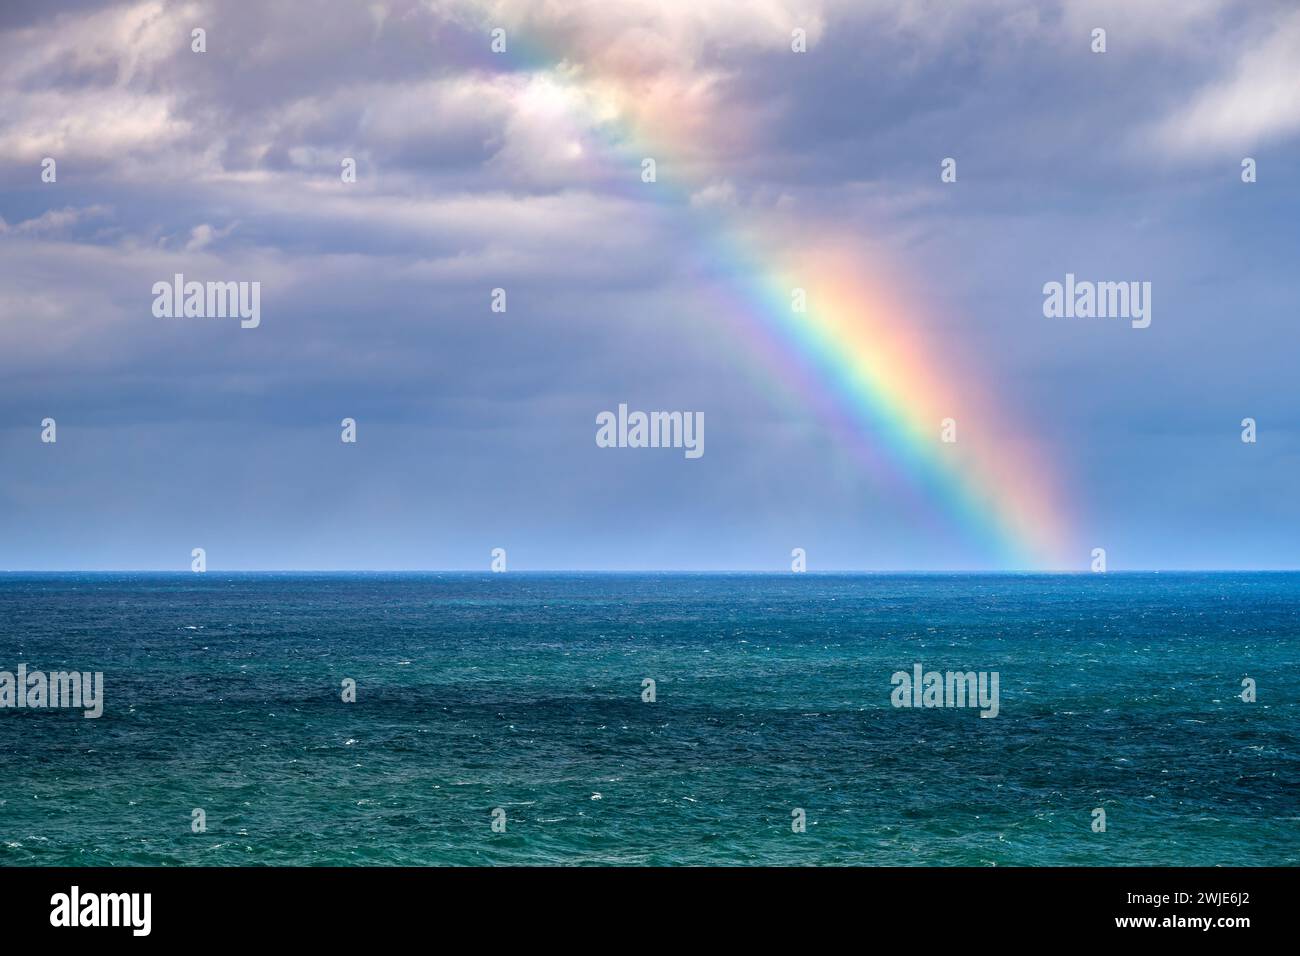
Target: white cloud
[
  {"x": 718, "y": 193},
  {"x": 203, "y": 235},
  {"x": 117, "y": 53},
  {"x": 1257, "y": 101},
  {"x": 54, "y": 221},
  {"x": 641, "y": 37}
]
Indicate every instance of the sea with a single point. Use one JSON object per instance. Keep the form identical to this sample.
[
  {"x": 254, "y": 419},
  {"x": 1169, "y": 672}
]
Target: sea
[{"x": 646, "y": 719}]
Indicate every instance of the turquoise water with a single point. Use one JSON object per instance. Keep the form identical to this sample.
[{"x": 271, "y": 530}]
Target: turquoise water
[{"x": 523, "y": 692}]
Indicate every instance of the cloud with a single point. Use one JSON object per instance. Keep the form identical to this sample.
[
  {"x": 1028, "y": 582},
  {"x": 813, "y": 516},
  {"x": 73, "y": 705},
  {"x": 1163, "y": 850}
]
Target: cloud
[
  {"x": 644, "y": 37},
  {"x": 717, "y": 193},
  {"x": 521, "y": 171},
  {"x": 82, "y": 85},
  {"x": 203, "y": 235},
  {"x": 1256, "y": 102},
  {"x": 54, "y": 221}
]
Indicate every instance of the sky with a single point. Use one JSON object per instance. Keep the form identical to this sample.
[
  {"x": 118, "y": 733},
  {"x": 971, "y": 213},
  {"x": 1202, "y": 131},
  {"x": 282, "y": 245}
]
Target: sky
[{"x": 776, "y": 169}]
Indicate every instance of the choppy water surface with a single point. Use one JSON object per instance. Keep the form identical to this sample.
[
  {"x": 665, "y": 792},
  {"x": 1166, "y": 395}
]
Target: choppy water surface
[{"x": 524, "y": 692}]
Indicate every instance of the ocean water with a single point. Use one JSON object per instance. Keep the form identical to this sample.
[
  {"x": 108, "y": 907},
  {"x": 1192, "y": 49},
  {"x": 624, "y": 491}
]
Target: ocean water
[{"x": 524, "y": 692}]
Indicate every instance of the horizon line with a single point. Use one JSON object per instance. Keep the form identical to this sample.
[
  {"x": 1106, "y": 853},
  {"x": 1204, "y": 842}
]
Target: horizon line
[{"x": 665, "y": 571}]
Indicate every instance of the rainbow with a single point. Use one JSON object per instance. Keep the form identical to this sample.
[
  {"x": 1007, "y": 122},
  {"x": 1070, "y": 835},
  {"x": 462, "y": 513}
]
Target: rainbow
[{"x": 854, "y": 355}]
